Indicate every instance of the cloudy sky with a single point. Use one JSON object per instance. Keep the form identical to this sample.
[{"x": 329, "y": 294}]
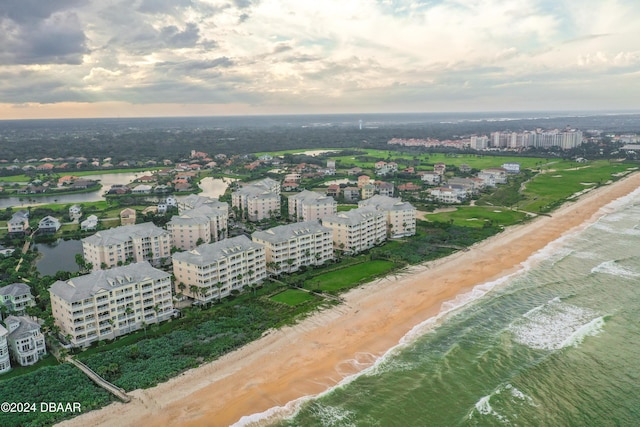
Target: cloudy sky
[{"x": 110, "y": 58}]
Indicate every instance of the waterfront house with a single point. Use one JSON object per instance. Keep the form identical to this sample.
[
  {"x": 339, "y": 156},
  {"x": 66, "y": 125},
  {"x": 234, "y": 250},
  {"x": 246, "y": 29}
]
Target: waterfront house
[
  {"x": 16, "y": 297},
  {"x": 19, "y": 222},
  {"x": 25, "y": 339},
  {"x": 5, "y": 363},
  {"x": 48, "y": 224},
  {"x": 90, "y": 223}
]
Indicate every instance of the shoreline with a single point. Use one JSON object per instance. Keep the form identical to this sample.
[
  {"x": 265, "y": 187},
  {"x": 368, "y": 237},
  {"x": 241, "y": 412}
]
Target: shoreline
[{"x": 319, "y": 352}]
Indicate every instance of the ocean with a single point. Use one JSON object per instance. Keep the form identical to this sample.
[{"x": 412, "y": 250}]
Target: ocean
[{"x": 555, "y": 344}]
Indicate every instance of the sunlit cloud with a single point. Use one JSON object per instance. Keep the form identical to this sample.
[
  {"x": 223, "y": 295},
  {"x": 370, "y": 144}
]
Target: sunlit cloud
[{"x": 293, "y": 56}]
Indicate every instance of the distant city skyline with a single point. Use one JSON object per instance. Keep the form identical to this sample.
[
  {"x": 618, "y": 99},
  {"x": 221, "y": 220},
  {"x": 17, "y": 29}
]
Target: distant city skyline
[{"x": 148, "y": 58}]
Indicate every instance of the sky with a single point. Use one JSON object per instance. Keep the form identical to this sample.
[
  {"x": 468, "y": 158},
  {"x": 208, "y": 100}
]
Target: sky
[{"x": 141, "y": 58}]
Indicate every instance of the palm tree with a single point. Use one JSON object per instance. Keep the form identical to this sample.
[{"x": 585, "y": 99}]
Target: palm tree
[
  {"x": 219, "y": 285},
  {"x": 182, "y": 287},
  {"x": 194, "y": 290}
]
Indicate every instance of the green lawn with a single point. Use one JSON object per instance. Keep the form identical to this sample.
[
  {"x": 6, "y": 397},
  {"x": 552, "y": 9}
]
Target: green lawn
[
  {"x": 547, "y": 190},
  {"x": 343, "y": 208},
  {"x": 293, "y": 297},
  {"x": 477, "y": 216},
  {"x": 349, "y": 276}
]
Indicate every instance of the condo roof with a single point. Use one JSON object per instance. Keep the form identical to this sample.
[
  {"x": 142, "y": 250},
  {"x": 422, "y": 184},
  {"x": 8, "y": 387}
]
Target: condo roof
[{"x": 82, "y": 287}]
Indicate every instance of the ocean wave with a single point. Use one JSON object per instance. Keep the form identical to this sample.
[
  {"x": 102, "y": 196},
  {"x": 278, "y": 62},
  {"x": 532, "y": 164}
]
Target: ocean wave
[
  {"x": 613, "y": 268},
  {"x": 556, "y": 325}
]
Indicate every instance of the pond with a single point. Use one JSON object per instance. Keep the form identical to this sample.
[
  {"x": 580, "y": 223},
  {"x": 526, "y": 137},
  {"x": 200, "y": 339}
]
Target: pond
[
  {"x": 58, "y": 256},
  {"x": 212, "y": 187}
]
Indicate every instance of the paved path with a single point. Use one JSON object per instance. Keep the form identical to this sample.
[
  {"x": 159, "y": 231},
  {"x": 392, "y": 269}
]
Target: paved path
[{"x": 116, "y": 391}]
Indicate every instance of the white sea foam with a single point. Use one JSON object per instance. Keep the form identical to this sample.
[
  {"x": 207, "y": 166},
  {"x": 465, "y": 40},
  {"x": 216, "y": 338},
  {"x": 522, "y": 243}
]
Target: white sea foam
[
  {"x": 614, "y": 269},
  {"x": 483, "y": 407},
  {"x": 555, "y": 325},
  {"x": 333, "y": 416},
  {"x": 520, "y": 396}
]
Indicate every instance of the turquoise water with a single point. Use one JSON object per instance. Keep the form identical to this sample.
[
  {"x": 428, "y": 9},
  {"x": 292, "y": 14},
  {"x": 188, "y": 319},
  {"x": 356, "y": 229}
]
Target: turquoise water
[{"x": 557, "y": 344}]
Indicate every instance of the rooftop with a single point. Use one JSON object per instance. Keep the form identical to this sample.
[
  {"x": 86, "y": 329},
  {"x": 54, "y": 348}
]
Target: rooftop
[
  {"x": 284, "y": 233},
  {"x": 82, "y": 287},
  {"x": 124, "y": 233},
  {"x": 211, "y": 252}
]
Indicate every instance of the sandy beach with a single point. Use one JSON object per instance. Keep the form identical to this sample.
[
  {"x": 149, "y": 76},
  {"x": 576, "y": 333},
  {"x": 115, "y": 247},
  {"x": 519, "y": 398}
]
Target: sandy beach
[{"x": 320, "y": 351}]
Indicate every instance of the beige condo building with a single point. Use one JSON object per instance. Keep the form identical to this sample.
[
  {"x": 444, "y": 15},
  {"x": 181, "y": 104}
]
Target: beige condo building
[
  {"x": 309, "y": 206},
  {"x": 128, "y": 243},
  {"x": 201, "y": 220},
  {"x": 288, "y": 247},
  {"x": 258, "y": 200},
  {"x": 108, "y": 303},
  {"x": 211, "y": 271},
  {"x": 357, "y": 230},
  {"x": 400, "y": 216}
]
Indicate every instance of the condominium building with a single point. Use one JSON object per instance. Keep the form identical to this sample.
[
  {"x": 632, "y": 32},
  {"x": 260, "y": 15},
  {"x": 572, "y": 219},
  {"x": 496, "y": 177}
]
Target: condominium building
[
  {"x": 211, "y": 271},
  {"x": 108, "y": 303},
  {"x": 16, "y": 297},
  {"x": 400, "y": 216},
  {"x": 128, "y": 243},
  {"x": 309, "y": 206},
  {"x": 358, "y": 229},
  {"x": 25, "y": 339},
  {"x": 201, "y": 220},
  {"x": 258, "y": 200},
  {"x": 5, "y": 363},
  {"x": 288, "y": 247}
]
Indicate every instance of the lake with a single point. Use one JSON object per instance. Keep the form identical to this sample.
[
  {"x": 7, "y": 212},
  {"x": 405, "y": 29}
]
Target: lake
[
  {"x": 212, "y": 187},
  {"x": 58, "y": 256}
]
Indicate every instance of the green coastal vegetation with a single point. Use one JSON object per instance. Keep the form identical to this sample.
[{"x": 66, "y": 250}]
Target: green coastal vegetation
[{"x": 204, "y": 333}]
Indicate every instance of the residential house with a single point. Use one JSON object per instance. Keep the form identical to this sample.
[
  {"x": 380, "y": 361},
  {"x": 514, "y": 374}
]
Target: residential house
[
  {"x": 48, "y": 224},
  {"x": 141, "y": 189},
  {"x": 385, "y": 188},
  {"x": 91, "y": 223},
  {"x": 363, "y": 180},
  {"x": 400, "y": 216},
  {"x": 511, "y": 167},
  {"x": 309, "y": 205},
  {"x": 333, "y": 190},
  {"x": 16, "y": 297},
  {"x": 211, "y": 271},
  {"x": 75, "y": 212},
  {"x": 289, "y": 247},
  {"x": 351, "y": 194},
  {"x": 127, "y": 243},
  {"x": 431, "y": 178},
  {"x": 106, "y": 304},
  {"x": 358, "y": 229},
  {"x": 499, "y": 174},
  {"x": 5, "y": 363},
  {"x": 25, "y": 340},
  {"x": 354, "y": 171},
  {"x": 367, "y": 190},
  {"x": 447, "y": 194},
  {"x": 127, "y": 216},
  {"x": 19, "y": 222}
]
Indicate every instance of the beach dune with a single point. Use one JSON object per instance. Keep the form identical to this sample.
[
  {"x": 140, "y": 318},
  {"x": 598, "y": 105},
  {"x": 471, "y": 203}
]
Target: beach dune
[{"x": 320, "y": 351}]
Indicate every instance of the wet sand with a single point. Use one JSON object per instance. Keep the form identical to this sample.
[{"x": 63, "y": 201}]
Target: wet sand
[{"x": 320, "y": 351}]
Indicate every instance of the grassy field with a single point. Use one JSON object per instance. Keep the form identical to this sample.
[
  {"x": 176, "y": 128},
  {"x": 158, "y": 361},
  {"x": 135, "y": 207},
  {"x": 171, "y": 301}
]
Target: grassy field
[
  {"x": 478, "y": 216},
  {"x": 350, "y": 276},
  {"x": 547, "y": 190},
  {"x": 293, "y": 297}
]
